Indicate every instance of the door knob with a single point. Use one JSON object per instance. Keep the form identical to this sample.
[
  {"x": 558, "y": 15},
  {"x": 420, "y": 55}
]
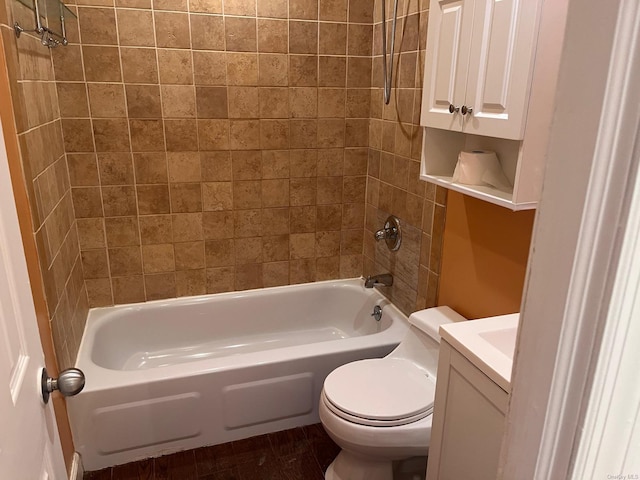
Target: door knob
[
  {"x": 466, "y": 110},
  {"x": 453, "y": 108},
  {"x": 70, "y": 382}
]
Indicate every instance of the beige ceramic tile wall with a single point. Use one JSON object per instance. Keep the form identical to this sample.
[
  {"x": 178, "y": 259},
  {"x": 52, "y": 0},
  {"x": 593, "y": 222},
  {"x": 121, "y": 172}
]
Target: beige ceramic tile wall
[
  {"x": 37, "y": 118},
  {"x": 216, "y": 145},
  {"x": 393, "y": 185}
]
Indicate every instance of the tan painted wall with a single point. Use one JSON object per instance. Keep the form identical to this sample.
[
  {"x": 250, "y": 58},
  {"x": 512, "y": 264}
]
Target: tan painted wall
[{"x": 485, "y": 253}]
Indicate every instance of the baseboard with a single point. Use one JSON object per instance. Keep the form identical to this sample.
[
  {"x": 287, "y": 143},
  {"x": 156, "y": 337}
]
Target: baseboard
[{"x": 77, "y": 472}]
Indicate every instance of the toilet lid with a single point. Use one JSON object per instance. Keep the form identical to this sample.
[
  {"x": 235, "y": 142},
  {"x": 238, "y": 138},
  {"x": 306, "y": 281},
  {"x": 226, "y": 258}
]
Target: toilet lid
[{"x": 382, "y": 389}]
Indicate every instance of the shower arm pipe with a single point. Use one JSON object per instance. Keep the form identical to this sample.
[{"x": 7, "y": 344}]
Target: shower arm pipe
[{"x": 388, "y": 78}]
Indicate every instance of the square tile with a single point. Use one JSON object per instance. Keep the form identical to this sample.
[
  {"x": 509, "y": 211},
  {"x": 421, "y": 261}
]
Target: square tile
[
  {"x": 186, "y": 197},
  {"x": 115, "y": 168},
  {"x": 209, "y": 68},
  {"x": 242, "y": 68},
  {"x": 106, "y": 100},
  {"x": 143, "y": 101},
  {"x": 135, "y": 28},
  {"x": 207, "y": 32},
  {"x": 139, "y": 65},
  {"x": 240, "y": 34},
  {"x": 178, "y": 101},
  {"x": 184, "y": 166},
  {"x": 172, "y": 29},
  {"x": 273, "y": 36},
  {"x": 150, "y": 167},
  {"x": 98, "y": 26},
  {"x": 212, "y": 102},
  {"x": 175, "y": 67},
  {"x": 101, "y": 64}
]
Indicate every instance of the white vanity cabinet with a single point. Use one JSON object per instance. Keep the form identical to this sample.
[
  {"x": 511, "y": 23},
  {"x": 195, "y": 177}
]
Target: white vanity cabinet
[
  {"x": 468, "y": 421},
  {"x": 479, "y": 64},
  {"x": 472, "y": 394}
]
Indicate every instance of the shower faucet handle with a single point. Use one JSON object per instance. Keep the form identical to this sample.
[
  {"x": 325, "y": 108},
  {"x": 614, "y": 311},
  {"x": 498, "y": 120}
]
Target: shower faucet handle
[
  {"x": 390, "y": 233},
  {"x": 453, "y": 108}
]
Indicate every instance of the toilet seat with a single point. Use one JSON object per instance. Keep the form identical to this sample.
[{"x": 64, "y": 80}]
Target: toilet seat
[
  {"x": 372, "y": 422},
  {"x": 379, "y": 392}
]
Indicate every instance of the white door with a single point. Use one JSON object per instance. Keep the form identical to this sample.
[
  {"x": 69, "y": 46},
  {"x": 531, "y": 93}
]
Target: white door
[
  {"x": 447, "y": 59},
  {"x": 29, "y": 443},
  {"x": 500, "y": 67}
]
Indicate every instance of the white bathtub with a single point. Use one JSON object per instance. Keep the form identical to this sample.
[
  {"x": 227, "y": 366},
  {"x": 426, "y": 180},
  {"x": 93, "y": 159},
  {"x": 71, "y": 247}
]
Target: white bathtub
[{"x": 183, "y": 373}]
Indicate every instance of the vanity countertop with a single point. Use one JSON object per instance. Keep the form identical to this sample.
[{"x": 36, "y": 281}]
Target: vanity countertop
[{"x": 488, "y": 343}]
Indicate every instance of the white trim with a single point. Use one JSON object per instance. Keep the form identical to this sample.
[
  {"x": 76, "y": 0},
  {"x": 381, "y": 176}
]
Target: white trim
[
  {"x": 610, "y": 439},
  {"x": 611, "y": 434},
  {"x": 597, "y": 252},
  {"x": 588, "y": 184},
  {"x": 77, "y": 471}
]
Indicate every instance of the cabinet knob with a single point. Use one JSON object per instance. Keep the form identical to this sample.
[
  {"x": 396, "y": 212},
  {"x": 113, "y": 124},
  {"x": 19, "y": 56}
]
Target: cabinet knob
[
  {"x": 453, "y": 108},
  {"x": 465, "y": 110}
]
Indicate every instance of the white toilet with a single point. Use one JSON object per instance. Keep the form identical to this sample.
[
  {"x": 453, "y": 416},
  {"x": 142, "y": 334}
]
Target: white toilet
[{"x": 380, "y": 410}]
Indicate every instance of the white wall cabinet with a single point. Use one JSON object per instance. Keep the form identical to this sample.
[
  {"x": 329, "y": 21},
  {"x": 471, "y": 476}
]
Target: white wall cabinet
[
  {"x": 468, "y": 421},
  {"x": 499, "y": 58},
  {"x": 478, "y": 67}
]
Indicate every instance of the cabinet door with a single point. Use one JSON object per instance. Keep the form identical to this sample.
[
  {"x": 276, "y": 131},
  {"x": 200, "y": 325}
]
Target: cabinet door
[
  {"x": 501, "y": 66},
  {"x": 468, "y": 421},
  {"x": 447, "y": 61}
]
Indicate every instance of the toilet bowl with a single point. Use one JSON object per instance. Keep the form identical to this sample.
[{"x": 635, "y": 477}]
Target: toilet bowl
[{"x": 380, "y": 410}]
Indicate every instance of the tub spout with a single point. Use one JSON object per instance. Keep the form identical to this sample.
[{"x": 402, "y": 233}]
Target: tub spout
[{"x": 385, "y": 279}]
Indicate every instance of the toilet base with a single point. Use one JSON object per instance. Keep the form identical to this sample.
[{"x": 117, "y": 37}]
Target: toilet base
[{"x": 347, "y": 466}]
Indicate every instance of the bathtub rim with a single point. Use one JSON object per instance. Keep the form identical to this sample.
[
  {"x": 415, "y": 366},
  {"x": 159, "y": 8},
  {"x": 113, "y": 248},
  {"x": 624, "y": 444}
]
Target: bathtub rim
[{"x": 343, "y": 282}]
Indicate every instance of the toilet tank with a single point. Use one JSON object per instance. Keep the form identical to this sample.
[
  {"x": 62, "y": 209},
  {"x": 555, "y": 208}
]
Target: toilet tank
[{"x": 421, "y": 343}]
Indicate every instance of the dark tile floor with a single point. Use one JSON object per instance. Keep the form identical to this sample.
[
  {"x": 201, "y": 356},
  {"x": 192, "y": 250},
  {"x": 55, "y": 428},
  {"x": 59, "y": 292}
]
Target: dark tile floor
[{"x": 299, "y": 454}]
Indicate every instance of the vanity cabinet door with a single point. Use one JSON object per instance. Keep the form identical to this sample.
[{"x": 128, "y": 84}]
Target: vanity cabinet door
[
  {"x": 468, "y": 421},
  {"x": 447, "y": 61},
  {"x": 500, "y": 67}
]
